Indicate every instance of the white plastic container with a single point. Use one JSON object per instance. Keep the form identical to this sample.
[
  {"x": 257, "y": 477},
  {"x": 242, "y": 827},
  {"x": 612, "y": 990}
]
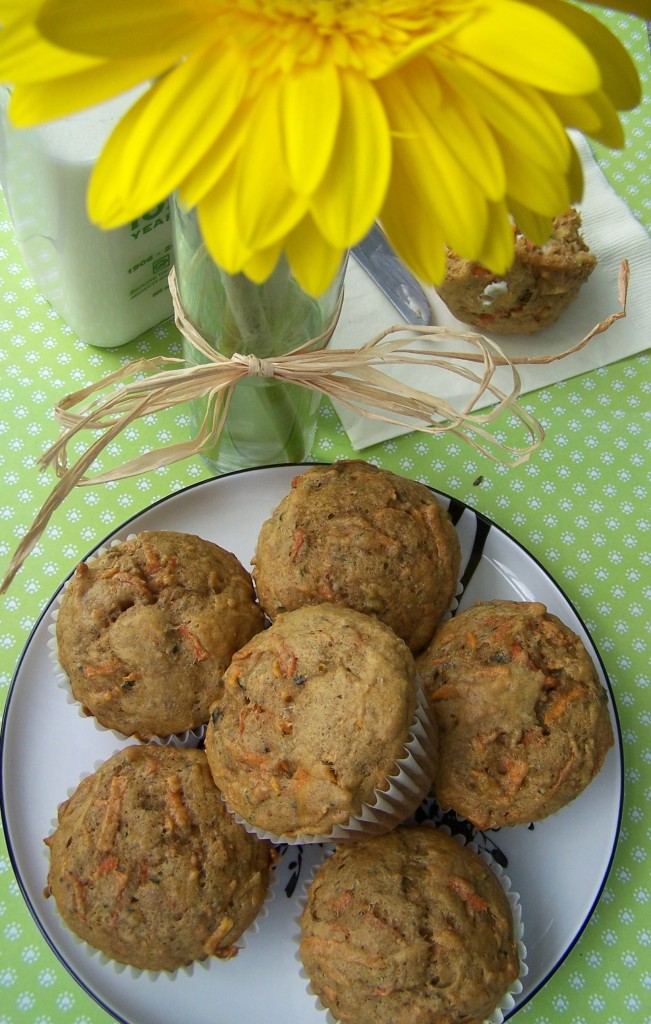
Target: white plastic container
[{"x": 109, "y": 286}]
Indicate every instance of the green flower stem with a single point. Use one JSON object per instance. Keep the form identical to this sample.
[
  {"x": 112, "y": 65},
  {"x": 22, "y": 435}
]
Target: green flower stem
[
  {"x": 252, "y": 327},
  {"x": 266, "y": 418},
  {"x": 246, "y": 322}
]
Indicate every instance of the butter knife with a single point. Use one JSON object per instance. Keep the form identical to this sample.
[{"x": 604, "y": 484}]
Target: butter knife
[{"x": 382, "y": 264}]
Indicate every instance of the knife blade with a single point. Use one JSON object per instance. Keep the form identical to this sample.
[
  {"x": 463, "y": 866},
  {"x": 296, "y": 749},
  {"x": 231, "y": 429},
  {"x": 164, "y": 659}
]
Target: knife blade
[{"x": 382, "y": 264}]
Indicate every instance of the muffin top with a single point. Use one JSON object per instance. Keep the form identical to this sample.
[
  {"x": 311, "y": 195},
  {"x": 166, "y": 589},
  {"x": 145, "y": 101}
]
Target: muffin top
[
  {"x": 523, "y": 717},
  {"x": 147, "y": 865},
  {"x": 409, "y": 926},
  {"x": 361, "y": 537},
  {"x": 315, "y": 713},
  {"x": 542, "y": 281},
  {"x": 146, "y": 630}
]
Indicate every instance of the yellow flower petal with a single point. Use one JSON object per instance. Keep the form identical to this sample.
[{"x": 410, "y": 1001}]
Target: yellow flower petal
[
  {"x": 216, "y": 161},
  {"x": 619, "y": 79},
  {"x": 26, "y": 57},
  {"x": 41, "y": 101},
  {"x": 575, "y": 112},
  {"x": 218, "y": 222},
  {"x": 134, "y": 169},
  {"x": 537, "y": 227},
  {"x": 534, "y": 226},
  {"x": 456, "y": 124},
  {"x": 510, "y": 107},
  {"x": 525, "y": 43},
  {"x": 125, "y": 29},
  {"x": 11, "y": 10},
  {"x": 262, "y": 264},
  {"x": 594, "y": 115},
  {"x": 533, "y": 186},
  {"x": 446, "y": 193},
  {"x": 313, "y": 260},
  {"x": 575, "y": 176},
  {"x": 266, "y": 207},
  {"x": 310, "y": 104},
  {"x": 473, "y": 143},
  {"x": 442, "y": 115},
  {"x": 416, "y": 237},
  {"x": 350, "y": 195},
  {"x": 496, "y": 251}
]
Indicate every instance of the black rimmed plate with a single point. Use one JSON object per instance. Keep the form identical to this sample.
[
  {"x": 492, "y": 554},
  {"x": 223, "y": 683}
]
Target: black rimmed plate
[{"x": 559, "y": 867}]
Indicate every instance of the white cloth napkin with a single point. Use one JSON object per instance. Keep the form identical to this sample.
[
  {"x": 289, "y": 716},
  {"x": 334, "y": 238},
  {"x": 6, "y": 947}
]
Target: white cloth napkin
[{"x": 613, "y": 234}]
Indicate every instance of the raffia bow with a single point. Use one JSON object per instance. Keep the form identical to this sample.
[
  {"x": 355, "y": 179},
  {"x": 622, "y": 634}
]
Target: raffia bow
[{"x": 349, "y": 376}]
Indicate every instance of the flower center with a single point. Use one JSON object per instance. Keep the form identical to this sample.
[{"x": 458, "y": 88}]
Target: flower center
[{"x": 368, "y": 35}]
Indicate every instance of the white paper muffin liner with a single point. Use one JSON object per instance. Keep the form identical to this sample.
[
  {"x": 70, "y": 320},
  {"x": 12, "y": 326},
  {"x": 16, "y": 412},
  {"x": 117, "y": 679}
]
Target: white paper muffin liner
[
  {"x": 241, "y": 943},
  {"x": 188, "y": 738},
  {"x": 507, "y": 1001},
  {"x": 407, "y": 787}
]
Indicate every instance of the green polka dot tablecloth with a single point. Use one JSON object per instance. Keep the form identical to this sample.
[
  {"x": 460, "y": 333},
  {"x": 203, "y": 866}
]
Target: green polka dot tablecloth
[{"x": 581, "y": 506}]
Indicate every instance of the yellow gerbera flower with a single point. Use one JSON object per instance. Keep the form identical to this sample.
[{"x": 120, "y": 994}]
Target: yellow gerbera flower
[{"x": 294, "y": 124}]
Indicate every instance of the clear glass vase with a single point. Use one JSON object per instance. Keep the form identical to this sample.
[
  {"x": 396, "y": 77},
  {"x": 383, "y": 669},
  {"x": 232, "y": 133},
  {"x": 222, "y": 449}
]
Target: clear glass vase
[{"x": 268, "y": 422}]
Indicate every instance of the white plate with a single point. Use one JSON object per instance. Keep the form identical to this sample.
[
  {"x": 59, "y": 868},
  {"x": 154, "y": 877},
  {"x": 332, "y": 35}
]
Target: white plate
[{"x": 559, "y": 867}]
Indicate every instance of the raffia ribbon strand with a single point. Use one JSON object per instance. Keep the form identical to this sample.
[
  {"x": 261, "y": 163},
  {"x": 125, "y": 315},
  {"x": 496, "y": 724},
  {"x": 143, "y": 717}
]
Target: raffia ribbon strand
[{"x": 349, "y": 376}]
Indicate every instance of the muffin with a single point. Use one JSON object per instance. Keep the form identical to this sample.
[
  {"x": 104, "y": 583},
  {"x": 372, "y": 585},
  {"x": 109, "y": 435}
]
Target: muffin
[
  {"x": 541, "y": 283},
  {"x": 147, "y": 865},
  {"x": 145, "y": 631},
  {"x": 317, "y": 714},
  {"x": 523, "y": 717},
  {"x": 408, "y": 927},
  {"x": 364, "y": 538}
]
